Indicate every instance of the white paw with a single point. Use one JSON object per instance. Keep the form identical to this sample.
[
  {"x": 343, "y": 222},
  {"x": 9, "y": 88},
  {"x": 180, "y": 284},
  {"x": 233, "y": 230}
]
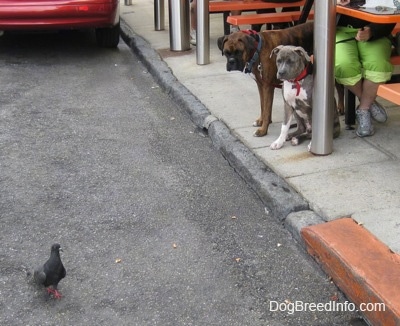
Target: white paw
[
  {"x": 309, "y": 147},
  {"x": 255, "y": 124},
  {"x": 276, "y": 144},
  {"x": 294, "y": 141}
]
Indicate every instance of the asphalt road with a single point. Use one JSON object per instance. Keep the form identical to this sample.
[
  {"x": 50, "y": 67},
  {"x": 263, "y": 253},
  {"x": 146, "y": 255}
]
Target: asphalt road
[{"x": 156, "y": 227}]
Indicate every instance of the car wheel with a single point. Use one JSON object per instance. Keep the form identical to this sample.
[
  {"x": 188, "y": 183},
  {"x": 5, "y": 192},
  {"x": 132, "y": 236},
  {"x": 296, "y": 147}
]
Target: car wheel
[{"x": 108, "y": 37}]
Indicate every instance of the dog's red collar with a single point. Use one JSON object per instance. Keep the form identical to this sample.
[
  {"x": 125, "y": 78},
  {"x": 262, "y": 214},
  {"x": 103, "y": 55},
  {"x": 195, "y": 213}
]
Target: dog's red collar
[
  {"x": 250, "y": 32},
  {"x": 306, "y": 71}
]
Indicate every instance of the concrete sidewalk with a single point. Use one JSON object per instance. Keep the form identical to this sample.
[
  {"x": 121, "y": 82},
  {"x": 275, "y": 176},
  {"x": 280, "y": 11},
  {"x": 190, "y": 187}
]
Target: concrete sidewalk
[{"x": 359, "y": 180}]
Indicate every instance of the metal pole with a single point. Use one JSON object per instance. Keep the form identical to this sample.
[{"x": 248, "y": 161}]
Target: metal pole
[
  {"x": 179, "y": 25},
  {"x": 159, "y": 13},
  {"x": 128, "y": 2},
  {"x": 324, "y": 80},
  {"x": 203, "y": 33}
]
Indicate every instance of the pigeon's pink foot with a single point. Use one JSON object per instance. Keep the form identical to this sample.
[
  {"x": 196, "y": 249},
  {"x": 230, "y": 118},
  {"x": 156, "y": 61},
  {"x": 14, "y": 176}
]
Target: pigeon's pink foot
[
  {"x": 50, "y": 290},
  {"x": 57, "y": 295}
]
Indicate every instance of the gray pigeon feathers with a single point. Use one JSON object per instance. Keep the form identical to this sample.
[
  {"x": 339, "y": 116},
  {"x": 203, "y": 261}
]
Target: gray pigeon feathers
[{"x": 52, "y": 272}]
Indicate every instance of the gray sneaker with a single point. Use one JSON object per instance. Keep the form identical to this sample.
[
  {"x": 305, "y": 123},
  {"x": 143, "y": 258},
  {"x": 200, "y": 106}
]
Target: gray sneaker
[
  {"x": 378, "y": 113},
  {"x": 365, "y": 127}
]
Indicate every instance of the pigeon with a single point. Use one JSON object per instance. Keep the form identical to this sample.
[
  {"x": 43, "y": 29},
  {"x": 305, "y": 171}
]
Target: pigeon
[{"x": 51, "y": 272}]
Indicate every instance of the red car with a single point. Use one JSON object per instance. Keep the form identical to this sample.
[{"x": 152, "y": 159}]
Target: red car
[{"x": 103, "y": 15}]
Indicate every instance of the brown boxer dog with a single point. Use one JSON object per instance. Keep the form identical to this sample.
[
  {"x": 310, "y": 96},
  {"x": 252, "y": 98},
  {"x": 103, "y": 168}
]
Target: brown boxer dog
[{"x": 250, "y": 52}]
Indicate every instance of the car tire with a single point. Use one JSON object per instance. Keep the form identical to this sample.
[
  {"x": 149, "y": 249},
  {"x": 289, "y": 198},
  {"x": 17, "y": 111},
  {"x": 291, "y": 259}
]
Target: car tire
[{"x": 108, "y": 37}]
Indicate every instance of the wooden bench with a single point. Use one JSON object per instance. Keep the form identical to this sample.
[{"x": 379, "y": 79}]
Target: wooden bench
[
  {"x": 226, "y": 7},
  {"x": 274, "y": 17},
  {"x": 390, "y": 92}
]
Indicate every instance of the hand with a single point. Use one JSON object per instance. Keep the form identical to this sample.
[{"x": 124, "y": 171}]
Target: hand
[
  {"x": 343, "y": 2},
  {"x": 364, "y": 34}
]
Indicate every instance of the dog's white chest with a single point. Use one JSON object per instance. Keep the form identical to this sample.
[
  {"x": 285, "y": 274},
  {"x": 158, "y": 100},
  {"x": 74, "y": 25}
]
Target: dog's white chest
[{"x": 290, "y": 91}]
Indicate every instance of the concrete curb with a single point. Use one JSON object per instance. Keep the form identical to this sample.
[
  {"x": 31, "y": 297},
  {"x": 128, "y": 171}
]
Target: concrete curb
[
  {"x": 307, "y": 227},
  {"x": 164, "y": 76},
  {"x": 275, "y": 193}
]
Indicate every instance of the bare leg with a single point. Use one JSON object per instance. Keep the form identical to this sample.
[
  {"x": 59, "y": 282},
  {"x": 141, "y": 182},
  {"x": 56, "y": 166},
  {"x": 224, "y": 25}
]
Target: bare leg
[{"x": 366, "y": 92}]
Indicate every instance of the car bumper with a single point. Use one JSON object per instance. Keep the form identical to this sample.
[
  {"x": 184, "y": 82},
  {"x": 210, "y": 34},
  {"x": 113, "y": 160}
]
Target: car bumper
[{"x": 64, "y": 14}]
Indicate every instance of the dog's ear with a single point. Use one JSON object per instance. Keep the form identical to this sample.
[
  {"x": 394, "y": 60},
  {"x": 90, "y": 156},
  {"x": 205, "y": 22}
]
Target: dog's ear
[
  {"x": 276, "y": 50},
  {"x": 249, "y": 42},
  {"x": 221, "y": 41},
  {"x": 300, "y": 51}
]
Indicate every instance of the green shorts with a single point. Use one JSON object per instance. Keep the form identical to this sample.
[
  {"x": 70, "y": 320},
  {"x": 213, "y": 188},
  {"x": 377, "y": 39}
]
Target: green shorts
[{"x": 355, "y": 60}]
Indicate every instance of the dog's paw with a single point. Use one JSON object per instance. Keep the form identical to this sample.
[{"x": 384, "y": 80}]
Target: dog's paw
[
  {"x": 294, "y": 141},
  {"x": 277, "y": 144},
  {"x": 257, "y": 123},
  {"x": 260, "y": 132},
  {"x": 309, "y": 147}
]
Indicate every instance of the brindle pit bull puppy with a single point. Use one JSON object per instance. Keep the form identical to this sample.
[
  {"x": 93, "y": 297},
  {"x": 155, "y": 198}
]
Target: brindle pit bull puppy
[
  {"x": 295, "y": 70},
  {"x": 251, "y": 51}
]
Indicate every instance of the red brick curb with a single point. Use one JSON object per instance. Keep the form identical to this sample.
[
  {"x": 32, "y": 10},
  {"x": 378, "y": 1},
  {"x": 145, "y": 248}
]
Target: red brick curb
[{"x": 365, "y": 269}]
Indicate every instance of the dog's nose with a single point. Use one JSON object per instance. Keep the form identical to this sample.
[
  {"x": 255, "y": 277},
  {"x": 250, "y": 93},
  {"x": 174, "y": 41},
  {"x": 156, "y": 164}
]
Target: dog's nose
[
  {"x": 281, "y": 74},
  {"x": 230, "y": 64}
]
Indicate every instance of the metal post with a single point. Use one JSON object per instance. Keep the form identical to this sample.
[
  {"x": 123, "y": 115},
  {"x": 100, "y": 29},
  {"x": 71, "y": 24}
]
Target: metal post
[
  {"x": 159, "y": 13},
  {"x": 128, "y": 2},
  {"x": 203, "y": 33},
  {"x": 324, "y": 80},
  {"x": 179, "y": 25}
]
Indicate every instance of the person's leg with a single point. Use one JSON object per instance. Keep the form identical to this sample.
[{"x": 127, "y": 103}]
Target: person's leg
[
  {"x": 235, "y": 28},
  {"x": 356, "y": 89},
  {"x": 348, "y": 72},
  {"x": 375, "y": 58},
  {"x": 348, "y": 68},
  {"x": 193, "y": 21},
  {"x": 369, "y": 90},
  {"x": 193, "y": 14},
  {"x": 366, "y": 91},
  {"x": 377, "y": 69},
  {"x": 258, "y": 27}
]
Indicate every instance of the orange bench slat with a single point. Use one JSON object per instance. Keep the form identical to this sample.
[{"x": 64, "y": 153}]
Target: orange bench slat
[
  {"x": 390, "y": 92},
  {"x": 395, "y": 60},
  {"x": 278, "y": 17},
  {"x": 221, "y": 6}
]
